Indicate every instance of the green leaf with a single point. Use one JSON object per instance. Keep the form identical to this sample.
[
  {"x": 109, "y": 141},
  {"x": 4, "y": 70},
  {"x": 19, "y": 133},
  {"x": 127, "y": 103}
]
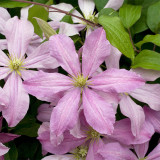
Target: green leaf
[
  {"x": 108, "y": 12},
  {"x": 117, "y": 35},
  {"x": 100, "y": 4},
  {"x": 13, "y": 153},
  {"x": 39, "y": 12},
  {"x": 46, "y": 28},
  {"x": 141, "y": 24},
  {"x": 27, "y": 127},
  {"x": 150, "y": 38},
  {"x": 153, "y": 17},
  {"x": 129, "y": 14},
  {"x": 148, "y": 60},
  {"x": 12, "y": 4}
]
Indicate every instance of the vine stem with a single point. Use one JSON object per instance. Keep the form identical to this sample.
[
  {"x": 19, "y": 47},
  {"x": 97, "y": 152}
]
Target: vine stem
[
  {"x": 61, "y": 11},
  {"x": 130, "y": 36}
]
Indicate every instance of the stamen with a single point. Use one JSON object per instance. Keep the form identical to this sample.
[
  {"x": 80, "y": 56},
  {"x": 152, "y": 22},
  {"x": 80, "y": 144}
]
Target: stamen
[
  {"x": 15, "y": 64},
  {"x": 92, "y": 135},
  {"x": 80, "y": 81},
  {"x": 80, "y": 153}
]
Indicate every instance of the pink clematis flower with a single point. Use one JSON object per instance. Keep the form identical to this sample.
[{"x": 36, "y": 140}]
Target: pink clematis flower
[
  {"x": 4, "y": 138},
  {"x": 99, "y": 114},
  {"x": 147, "y": 93},
  {"x": 116, "y": 151},
  {"x": 15, "y": 66}
]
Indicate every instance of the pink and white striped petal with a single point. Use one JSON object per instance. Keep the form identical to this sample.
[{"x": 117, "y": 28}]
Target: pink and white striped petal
[
  {"x": 4, "y": 60},
  {"x": 65, "y": 115},
  {"x": 115, "y": 151},
  {"x": 18, "y": 34},
  {"x": 135, "y": 113},
  {"x": 59, "y": 157},
  {"x": 3, "y": 149},
  {"x": 141, "y": 149},
  {"x": 112, "y": 61},
  {"x": 119, "y": 80},
  {"x": 115, "y": 4},
  {"x": 46, "y": 86},
  {"x": 99, "y": 114},
  {"x": 87, "y": 7},
  {"x": 95, "y": 50},
  {"x": 62, "y": 48},
  {"x": 40, "y": 58},
  {"x": 18, "y": 100},
  {"x": 149, "y": 93}
]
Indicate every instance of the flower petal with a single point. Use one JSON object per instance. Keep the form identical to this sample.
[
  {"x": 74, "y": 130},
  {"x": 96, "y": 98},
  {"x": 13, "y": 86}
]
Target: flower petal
[
  {"x": 40, "y": 58},
  {"x": 153, "y": 117},
  {"x": 56, "y": 16},
  {"x": 141, "y": 149},
  {"x": 59, "y": 157},
  {"x": 135, "y": 112},
  {"x": 3, "y": 149},
  {"x": 44, "y": 112},
  {"x": 4, "y": 14},
  {"x": 147, "y": 74},
  {"x": 62, "y": 48},
  {"x": 122, "y": 133},
  {"x": 18, "y": 34},
  {"x": 68, "y": 144},
  {"x": 97, "y": 47},
  {"x": 46, "y": 85},
  {"x": 115, "y": 151},
  {"x": 87, "y": 7},
  {"x": 18, "y": 100},
  {"x": 3, "y": 43},
  {"x": 112, "y": 61},
  {"x": 4, "y": 72},
  {"x": 149, "y": 93},
  {"x": 119, "y": 80},
  {"x": 4, "y": 60},
  {"x": 7, "y": 137},
  {"x": 115, "y": 4},
  {"x": 65, "y": 115},
  {"x": 99, "y": 114}
]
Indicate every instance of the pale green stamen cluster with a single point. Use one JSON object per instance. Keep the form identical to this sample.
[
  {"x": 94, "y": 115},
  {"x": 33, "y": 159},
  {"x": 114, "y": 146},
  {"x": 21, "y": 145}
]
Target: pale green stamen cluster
[
  {"x": 92, "y": 135},
  {"x": 90, "y": 17},
  {"x": 15, "y": 64},
  {"x": 80, "y": 81},
  {"x": 80, "y": 152},
  {"x": 143, "y": 158}
]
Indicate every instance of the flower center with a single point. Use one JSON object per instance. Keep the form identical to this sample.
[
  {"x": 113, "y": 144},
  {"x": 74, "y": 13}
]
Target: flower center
[
  {"x": 91, "y": 17},
  {"x": 80, "y": 81},
  {"x": 92, "y": 134},
  {"x": 143, "y": 158},
  {"x": 15, "y": 64},
  {"x": 80, "y": 152}
]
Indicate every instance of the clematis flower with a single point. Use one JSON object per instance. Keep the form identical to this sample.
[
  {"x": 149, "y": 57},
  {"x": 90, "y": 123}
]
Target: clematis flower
[
  {"x": 116, "y": 151},
  {"x": 147, "y": 93},
  {"x": 4, "y": 17},
  {"x": 15, "y": 66},
  {"x": 99, "y": 114},
  {"x": 87, "y": 7},
  {"x": 4, "y": 138}
]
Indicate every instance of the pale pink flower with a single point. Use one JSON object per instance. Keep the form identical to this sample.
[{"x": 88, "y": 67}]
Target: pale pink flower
[
  {"x": 148, "y": 93},
  {"x": 99, "y": 114},
  {"x": 15, "y": 66}
]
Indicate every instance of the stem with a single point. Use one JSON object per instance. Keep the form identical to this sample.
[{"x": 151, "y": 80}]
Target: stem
[
  {"x": 61, "y": 11},
  {"x": 130, "y": 36},
  {"x": 154, "y": 47}
]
